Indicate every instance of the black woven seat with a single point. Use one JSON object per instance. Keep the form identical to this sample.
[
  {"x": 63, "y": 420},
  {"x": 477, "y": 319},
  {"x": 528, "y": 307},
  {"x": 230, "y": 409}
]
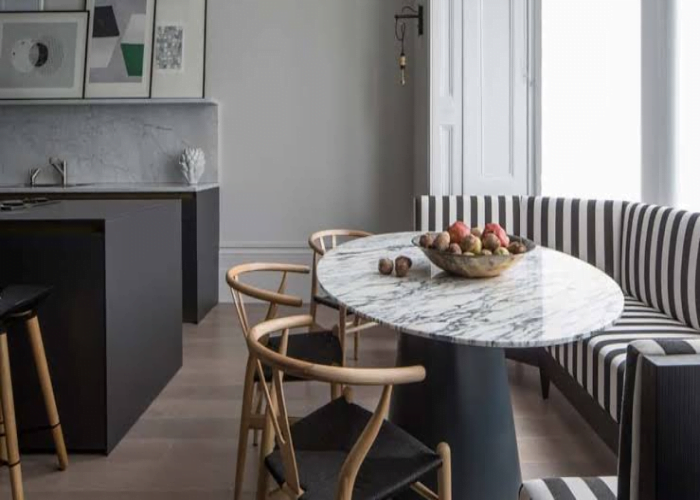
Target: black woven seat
[
  {"x": 323, "y": 440},
  {"x": 322, "y": 348},
  {"x": 19, "y": 299}
]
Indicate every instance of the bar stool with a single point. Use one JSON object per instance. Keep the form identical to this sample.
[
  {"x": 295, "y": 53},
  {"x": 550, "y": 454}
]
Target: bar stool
[{"x": 18, "y": 303}]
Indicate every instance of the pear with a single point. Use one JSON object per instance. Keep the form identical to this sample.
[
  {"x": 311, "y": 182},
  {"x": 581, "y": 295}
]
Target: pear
[
  {"x": 491, "y": 242},
  {"x": 471, "y": 244},
  {"x": 455, "y": 249},
  {"x": 442, "y": 241}
]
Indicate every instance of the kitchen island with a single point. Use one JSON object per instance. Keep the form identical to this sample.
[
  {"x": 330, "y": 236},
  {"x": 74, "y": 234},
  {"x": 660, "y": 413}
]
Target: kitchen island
[
  {"x": 113, "y": 324},
  {"x": 200, "y": 228}
]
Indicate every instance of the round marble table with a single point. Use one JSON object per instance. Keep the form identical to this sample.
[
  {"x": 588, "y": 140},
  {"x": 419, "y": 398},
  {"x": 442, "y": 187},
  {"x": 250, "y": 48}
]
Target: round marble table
[{"x": 458, "y": 329}]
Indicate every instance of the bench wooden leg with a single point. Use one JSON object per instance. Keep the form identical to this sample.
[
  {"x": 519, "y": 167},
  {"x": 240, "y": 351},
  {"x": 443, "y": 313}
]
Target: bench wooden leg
[
  {"x": 42, "y": 369},
  {"x": 9, "y": 422}
]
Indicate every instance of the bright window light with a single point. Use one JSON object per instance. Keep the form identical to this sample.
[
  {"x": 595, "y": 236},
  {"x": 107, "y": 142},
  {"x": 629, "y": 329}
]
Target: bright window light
[
  {"x": 591, "y": 98},
  {"x": 688, "y": 102}
]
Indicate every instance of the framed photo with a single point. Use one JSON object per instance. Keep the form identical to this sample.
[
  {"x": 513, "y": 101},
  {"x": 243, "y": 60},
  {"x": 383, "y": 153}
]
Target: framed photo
[
  {"x": 42, "y": 54},
  {"x": 119, "y": 48},
  {"x": 178, "y": 48}
]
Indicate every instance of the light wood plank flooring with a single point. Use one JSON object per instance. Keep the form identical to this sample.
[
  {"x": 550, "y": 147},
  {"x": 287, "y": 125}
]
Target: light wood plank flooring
[{"x": 184, "y": 446}]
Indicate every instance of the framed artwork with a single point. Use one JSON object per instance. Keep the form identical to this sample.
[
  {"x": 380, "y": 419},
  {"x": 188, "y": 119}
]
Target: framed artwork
[
  {"x": 42, "y": 54},
  {"x": 119, "y": 48},
  {"x": 178, "y": 48}
]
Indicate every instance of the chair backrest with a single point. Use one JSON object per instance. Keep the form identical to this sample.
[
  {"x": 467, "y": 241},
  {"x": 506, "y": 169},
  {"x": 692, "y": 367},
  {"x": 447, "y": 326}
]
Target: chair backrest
[
  {"x": 322, "y": 241},
  {"x": 659, "y": 440},
  {"x": 273, "y": 298},
  {"x": 281, "y": 364},
  {"x": 661, "y": 260}
]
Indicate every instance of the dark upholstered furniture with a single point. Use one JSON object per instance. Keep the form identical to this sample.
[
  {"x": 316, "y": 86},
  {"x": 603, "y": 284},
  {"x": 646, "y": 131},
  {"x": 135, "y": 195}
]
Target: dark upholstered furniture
[
  {"x": 658, "y": 458},
  {"x": 652, "y": 253}
]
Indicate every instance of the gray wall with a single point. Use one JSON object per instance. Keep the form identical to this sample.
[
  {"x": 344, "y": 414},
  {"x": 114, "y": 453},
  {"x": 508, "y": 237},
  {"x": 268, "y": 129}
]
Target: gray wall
[
  {"x": 316, "y": 131},
  {"x": 106, "y": 142}
]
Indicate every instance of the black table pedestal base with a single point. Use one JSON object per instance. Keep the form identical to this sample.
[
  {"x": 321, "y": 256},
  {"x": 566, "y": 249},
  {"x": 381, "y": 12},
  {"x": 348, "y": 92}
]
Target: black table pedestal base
[{"x": 464, "y": 401}]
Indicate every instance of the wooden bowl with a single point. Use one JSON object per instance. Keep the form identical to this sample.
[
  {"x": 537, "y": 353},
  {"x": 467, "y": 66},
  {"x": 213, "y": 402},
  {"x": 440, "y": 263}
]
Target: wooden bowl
[{"x": 479, "y": 266}]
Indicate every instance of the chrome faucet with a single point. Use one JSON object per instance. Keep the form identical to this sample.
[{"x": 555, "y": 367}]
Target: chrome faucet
[
  {"x": 33, "y": 174},
  {"x": 61, "y": 167}
]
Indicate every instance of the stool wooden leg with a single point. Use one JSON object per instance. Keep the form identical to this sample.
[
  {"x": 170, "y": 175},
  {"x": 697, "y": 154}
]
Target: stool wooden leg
[
  {"x": 42, "y": 369},
  {"x": 247, "y": 406},
  {"x": 8, "y": 410},
  {"x": 356, "y": 323},
  {"x": 3, "y": 442}
]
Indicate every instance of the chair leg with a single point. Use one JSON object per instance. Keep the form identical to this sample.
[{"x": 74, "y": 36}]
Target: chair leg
[
  {"x": 266, "y": 446},
  {"x": 8, "y": 410},
  {"x": 336, "y": 391},
  {"x": 445, "y": 472},
  {"x": 544, "y": 384},
  {"x": 246, "y": 407},
  {"x": 342, "y": 326},
  {"x": 42, "y": 369},
  {"x": 356, "y": 323},
  {"x": 258, "y": 410}
]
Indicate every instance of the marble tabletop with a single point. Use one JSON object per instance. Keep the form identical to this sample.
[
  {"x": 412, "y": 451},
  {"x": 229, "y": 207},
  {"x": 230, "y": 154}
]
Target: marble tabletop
[{"x": 547, "y": 298}]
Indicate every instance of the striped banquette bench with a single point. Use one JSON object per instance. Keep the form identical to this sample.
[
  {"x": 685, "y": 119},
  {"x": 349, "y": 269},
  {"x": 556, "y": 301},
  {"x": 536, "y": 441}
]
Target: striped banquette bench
[
  {"x": 658, "y": 458},
  {"x": 650, "y": 251}
]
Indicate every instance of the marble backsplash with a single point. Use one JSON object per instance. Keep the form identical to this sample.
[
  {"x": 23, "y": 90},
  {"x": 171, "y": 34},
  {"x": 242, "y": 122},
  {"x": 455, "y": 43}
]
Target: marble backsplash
[{"x": 107, "y": 142}]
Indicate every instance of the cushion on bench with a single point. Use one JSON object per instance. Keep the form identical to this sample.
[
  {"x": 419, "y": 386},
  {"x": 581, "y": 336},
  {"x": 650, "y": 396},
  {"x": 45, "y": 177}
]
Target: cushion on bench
[
  {"x": 570, "y": 488},
  {"x": 598, "y": 363},
  {"x": 660, "y": 260}
]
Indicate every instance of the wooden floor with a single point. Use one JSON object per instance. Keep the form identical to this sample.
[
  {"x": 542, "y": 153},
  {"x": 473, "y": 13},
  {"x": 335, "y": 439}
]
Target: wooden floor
[{"x": 184, "y": 446}]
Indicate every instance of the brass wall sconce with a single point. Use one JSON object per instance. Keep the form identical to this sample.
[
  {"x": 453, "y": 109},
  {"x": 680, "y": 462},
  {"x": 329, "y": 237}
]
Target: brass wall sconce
[{"x": 407, "y": 13}]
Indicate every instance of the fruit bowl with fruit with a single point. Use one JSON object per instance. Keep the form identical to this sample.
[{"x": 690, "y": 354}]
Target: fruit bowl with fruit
[{"x": 473, "y": 252}]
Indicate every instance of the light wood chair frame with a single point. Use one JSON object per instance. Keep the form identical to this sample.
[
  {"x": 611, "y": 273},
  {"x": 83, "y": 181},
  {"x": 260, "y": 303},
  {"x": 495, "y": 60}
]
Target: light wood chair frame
[
  {"x": 252, "y": 414},
  {"x": 348, "y": 323},
  {"x": 9, "y": 445},
  {"x": 277, "y": 424}
]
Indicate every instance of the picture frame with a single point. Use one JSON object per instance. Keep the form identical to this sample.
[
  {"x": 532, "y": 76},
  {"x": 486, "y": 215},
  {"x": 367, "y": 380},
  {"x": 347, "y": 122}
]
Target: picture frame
[
  {"x": 119, "y": 55},
  {"x": 42, "y": 54},
  {"x": 179, "y": 49}
]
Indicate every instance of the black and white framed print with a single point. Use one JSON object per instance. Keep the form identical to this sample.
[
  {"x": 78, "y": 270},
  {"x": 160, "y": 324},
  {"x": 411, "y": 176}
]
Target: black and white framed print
[
  {"x": 119, "y": 48},
  {"x": 178, "y": 48},
  {"x": 42, "y": 54}
]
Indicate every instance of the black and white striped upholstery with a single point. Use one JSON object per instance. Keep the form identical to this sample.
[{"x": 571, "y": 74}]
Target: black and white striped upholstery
[
  {"x": 598, "y": 363},
  {"x": 437, "y": 213},
  {"x": 570, "y": 488},
  {"x": 658, "y": 456},
  {"x": 588, "y": 229},
  {"x": 660, "y": 260}
]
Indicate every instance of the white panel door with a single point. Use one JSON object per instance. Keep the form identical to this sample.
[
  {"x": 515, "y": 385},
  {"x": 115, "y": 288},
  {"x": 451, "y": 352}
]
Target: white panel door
[
  {"x": 496, "y": 155},
  {"x": 445, "y": 17}
]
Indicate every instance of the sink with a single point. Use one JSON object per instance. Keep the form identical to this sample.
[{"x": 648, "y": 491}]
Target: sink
[{"x": 52, "y": 186}]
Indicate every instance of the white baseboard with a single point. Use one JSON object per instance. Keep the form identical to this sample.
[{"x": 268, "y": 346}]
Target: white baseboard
[{"x": 288, "y": 252}]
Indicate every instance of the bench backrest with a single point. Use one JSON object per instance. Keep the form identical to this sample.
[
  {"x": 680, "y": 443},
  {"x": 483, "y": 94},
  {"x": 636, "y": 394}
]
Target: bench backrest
[
  {"x": 588, "y": 229},
  {"x": 660, "y": 260}
]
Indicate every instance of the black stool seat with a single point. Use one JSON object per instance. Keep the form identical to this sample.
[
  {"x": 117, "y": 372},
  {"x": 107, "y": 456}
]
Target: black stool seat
[
  {"x": 323, "y": 440},
  {"x": 322, "y": 348},
  {"x": 19, "y": 299}
]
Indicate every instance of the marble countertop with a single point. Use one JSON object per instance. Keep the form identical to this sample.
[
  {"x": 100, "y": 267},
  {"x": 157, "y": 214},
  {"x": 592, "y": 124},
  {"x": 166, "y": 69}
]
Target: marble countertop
[
  {"x": 98, "y": 187},
  {"x": 548, "y": 298},
  {"x": 81, "y": 210}
]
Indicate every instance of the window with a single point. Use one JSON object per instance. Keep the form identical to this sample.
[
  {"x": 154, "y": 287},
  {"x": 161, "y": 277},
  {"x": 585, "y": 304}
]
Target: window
[
  {"x": 688, "y": 104},
  {"x": 591, "y": 98}
]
